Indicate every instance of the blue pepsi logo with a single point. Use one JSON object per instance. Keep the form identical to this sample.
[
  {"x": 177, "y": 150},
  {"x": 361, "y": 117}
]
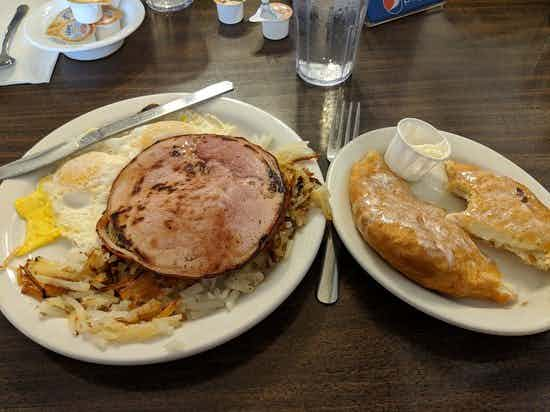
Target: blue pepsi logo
[{"x": 393, "y": 6}]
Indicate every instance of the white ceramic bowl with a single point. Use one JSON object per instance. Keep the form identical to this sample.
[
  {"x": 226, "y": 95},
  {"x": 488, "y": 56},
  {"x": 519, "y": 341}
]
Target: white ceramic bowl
[
  {"x": 39, "y": 19},
  {"x": 404, "y": 155}
]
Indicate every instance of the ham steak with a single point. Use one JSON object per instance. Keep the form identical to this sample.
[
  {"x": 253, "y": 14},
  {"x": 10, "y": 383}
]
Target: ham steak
[{"x": 194, "y": 205}]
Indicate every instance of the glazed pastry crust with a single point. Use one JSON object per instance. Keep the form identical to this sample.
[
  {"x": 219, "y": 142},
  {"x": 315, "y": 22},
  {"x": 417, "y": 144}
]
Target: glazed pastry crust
[
  {"x": 501, "y": 211},
  {"x": 416, "y": 238}
]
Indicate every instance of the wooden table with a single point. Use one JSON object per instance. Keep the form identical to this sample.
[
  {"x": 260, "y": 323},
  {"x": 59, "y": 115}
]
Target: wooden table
[{"x": 480, "y": 68}]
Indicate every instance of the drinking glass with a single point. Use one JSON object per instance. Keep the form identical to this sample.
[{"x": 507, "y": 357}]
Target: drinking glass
[
  {"x": 327, "y": 36},
  {"x": 168, "y": 5}
]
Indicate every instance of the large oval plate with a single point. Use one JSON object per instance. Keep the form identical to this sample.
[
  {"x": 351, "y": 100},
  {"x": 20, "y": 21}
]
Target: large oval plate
[
  {"x": 196, "y": 336},
  {"x": 531, "y": 314}
]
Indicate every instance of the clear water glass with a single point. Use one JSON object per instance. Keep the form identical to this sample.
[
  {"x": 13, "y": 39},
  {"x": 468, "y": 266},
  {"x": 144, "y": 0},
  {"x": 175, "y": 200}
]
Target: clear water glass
[
  {"x": 168, "y": 5},
  {"x": 327, "y": 36}
]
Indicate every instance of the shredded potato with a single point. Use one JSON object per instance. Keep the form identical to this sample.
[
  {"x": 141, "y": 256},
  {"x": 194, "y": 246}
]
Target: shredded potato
[
  {"x": 78, "y": 286},
  {"x": 320, "y": 197}
]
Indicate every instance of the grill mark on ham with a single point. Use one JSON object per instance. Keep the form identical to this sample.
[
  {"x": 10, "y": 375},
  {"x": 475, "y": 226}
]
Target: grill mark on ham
[
  {"x": 159, "y": 187},
  {"x": 206, "y": 204},
  {"x": 157, "y": 164},
  {"x": 175, "y": 152},
  {"x": 137, "y": 186}
]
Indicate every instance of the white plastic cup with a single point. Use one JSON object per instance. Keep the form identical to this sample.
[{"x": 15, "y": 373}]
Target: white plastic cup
[
  {"x": 109, "y": 23},
  {"x": 107, "y": 30},
  {"x": 278, "y": 30},
  {"x": 275, "y": 30},
  {"x": 403, "y": 155},
  {"x": 230, "y": 13},
  {"x": 86, "y": 13}
]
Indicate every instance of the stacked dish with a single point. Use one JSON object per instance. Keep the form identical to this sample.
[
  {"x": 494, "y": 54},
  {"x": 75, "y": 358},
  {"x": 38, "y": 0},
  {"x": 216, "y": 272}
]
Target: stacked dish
[{"x": 84, "y": 30}]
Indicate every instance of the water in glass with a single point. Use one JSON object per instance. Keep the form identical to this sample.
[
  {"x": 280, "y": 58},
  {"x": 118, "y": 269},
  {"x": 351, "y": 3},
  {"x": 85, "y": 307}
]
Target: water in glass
[
  {"x": 327, "y": 36},
  {"x": 168, "y": 5}
]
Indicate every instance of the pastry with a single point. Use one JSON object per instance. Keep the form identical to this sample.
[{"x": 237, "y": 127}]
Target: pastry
[
  {"x": 501, "y": 211},
  {"x": 416, "y": 238}
]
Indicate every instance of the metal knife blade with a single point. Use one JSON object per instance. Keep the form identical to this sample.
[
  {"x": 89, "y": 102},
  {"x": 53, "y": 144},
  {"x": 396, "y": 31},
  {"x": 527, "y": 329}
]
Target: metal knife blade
[{"x": 51, "y": 155}]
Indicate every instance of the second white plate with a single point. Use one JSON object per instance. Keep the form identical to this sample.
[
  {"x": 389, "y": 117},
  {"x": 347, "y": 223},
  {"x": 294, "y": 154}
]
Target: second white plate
[{"x": 531, "y": 313}]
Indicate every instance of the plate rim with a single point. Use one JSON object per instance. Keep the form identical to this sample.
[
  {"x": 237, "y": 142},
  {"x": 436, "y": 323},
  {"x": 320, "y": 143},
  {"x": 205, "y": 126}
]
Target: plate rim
[
  {"x": 383, "y": 280},
  {"x": 121, "y": 35},
  {"x": 232, "y": 333}
]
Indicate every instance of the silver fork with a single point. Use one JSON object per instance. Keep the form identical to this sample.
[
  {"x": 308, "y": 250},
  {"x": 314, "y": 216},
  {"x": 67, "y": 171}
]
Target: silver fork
[{"x": 327, "y": 290}]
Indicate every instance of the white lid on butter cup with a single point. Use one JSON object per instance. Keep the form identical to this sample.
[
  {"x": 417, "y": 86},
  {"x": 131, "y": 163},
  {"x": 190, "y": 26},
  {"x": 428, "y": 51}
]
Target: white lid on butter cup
[
  {"x": 72, "y": 31},
  {"x": 278, "y": 29},
  {"x": 109, "y": 23},
  {"x": 230, "y": 11},
  {"x": 87, "y": 13},
  {"x": 283, "y": 11},
  {"x": 406, "y": 154}
]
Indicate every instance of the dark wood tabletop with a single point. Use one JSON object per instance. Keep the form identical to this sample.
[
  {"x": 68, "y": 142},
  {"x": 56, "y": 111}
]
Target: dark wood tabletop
[{"x": 480, "y": 68}]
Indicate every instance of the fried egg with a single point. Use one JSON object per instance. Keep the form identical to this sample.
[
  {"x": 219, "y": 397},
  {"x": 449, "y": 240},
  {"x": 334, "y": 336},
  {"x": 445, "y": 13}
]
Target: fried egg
[
  {"x": 37, "y": 211},
  {"x": 79, "y": 191}
]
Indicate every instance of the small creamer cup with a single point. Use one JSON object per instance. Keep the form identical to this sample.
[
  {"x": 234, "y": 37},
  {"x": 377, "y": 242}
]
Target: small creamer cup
[
  {"x": 275, "y": 30},
  {"x": 109, "y": 23},
  {"x": 415, "y": 149},
  {"x": 71, "y": 31},
  {"x": 278, "y": 29},
  {"x": 86, "y": 13},
  {"x": 230, "y": 11}
]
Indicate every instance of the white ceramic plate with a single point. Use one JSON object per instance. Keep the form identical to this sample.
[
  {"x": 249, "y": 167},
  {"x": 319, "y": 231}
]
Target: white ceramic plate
[
  {"x": 197, "y": 336},
  {"x": 38, "y": 21},
  {"x": 531, "y": 314}
]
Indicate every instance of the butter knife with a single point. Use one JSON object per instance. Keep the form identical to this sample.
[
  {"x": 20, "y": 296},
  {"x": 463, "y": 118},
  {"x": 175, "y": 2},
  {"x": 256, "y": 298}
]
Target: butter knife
[{"x": 36, "y": 161}]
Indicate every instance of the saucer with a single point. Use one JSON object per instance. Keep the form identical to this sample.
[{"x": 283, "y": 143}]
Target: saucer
[{"x": 38, "y": 20}]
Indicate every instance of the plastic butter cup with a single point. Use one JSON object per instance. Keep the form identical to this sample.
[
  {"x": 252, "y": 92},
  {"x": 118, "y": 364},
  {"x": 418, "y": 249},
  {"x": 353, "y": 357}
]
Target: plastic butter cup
[
  {"x": 72, "y": 31},
  {"x": 109, "y": 23},
  {"x": 277, "y": 29},
  {"x": 415, "y": 149},
  {"x": 230, "y": 11}
]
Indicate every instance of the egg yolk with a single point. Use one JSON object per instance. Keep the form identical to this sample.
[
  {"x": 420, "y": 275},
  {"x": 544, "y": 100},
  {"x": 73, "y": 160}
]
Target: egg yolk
[{"x": 36, "y": 209}]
